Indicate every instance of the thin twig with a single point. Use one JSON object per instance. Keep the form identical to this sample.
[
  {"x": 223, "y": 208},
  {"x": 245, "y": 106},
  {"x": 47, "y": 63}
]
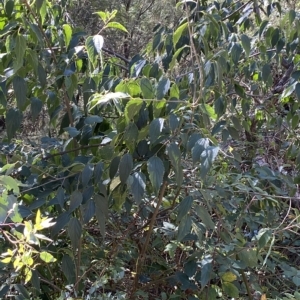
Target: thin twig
[
  {"x": 149, "y": 233},
  {"x": 50, "y": 181},
  {"x": 116, "y": 54},
  {"x": 237, "y": 10},
  {"x": 50, "y": 283},
  {"x": 71, "y": 150}
]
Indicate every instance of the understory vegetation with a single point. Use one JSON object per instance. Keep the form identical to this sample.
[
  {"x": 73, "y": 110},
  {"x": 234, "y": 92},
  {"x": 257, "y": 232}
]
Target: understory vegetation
[{"x": 150, "y": 149}]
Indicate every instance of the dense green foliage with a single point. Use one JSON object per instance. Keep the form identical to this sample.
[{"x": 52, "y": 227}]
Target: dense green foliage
[{"x": 169, "y": 174}]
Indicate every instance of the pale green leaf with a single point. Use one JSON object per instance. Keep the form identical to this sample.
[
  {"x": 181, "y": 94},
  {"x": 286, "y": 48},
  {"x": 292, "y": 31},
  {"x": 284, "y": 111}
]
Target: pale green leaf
[
  {"x": 47, "y": 257},
  {"x": 116, "y": 25},
  {"x": 178, "y": 33}
]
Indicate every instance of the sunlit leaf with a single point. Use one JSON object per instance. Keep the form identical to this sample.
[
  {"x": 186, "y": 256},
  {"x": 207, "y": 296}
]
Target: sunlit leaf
[
  {"x": 178, "y": 33},
  {"x": 47, "y": 257},
  {"x": 67, "y": 34},
  {"x": 116, "y": 25}
]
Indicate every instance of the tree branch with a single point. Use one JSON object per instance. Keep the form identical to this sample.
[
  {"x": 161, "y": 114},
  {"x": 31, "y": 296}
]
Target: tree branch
[
  {"x": 141, "y": 257},
  {"x": 72, "y": 150},
  {"x": 237, "y": 10},
  {"x": 116, "y": 55}
]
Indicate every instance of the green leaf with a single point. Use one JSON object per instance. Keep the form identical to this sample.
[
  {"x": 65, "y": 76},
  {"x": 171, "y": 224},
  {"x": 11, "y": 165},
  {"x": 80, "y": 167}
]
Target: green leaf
[
  {"x": 93, "y": 46},
  {"x": 155, "y": 42},
  {"x": 275, "y": 37},
  {"x": 262, "y": 27},
  {"x": 296, "y": 280},
  {"x": 163, "y": 87},
  {"x": 158, "y": 107},
  {"x": 41, "y": 6},
  {"x": 114, "y": 166},
  {"x": 174, "y": 91},
  {"x": 98, "y": 171},
  {"x": 90, "y": 120},
  {"x": 20, "y": 89},
  {"x": 137, "y": 68},
  {"x": 236, "y": 123},
  {"x": 37, "y": 33},
  {"x": 174, "y": 122},
  {"x": 116, "y": 25},
  {"x": 147, "y": 89},
  {"x": 174, "y": 57},
  {"x": 239, "y": 90},
  {"x": 295, "y": 122},
  {"x": 22, "y": 291},
  {"x": 206, "y": 270},
  {"x": 68, "y": 268},
  {"x": 132, "y": 108},
  {"x": 89, "y": 210},
  {"x": 72, "y": 131},
  {"x": 119, "y": 194},
  {"x": 67, "y": 29},
  {"x": 20, "y": 49},
  {"x": 220, "y": 106},
  {"x": 156, "y": 172},
  {"x": 131, "y": 135},
  {"x": 263, "y": 237},
  {"x": 35, "y": 107},
  {"x": 6, "y": 260},
  {"x": 292, "y": 16},
  {"x": 155, "y": 129},
  {"x": 266, "y": 72},
  {"x": 125, "y": 167},
  {"x": 47, "y": 257},
  {"x": 233, "y": 132},
  {"x": 175, "y": 158},
  {"x": 9, "y": 183},
  {"x": 61, "y": 222},
  {"x": 103, "y": 15},
  {"x": 249, "y": 257},
  {"x": 230, "y": 289},
  {"x": 183, "y": 280},
  {"x": 75, "y": 200},
  {"x": 138, "y": 186},
  {"x": 132, "y": 88},
  {"x": 9, "y": 7},
  {"x": 288, "y": 91},
  {"x": 87, "y": 174},
  {"x": 199, "y": 146},
  {"x": 74, "y": 230},
  {"x": 184, "y": 227},
  {"x": 236, "y": 52},
  {"x": 203, "y": 214},
  {"x": 297, "y": 90},
  {"x": 35, "y": 280},
  {"x": 211, "y": 112},
  {"x": 178, "y": 33},
  {"x": 229, "y": 277},
  {"x": 184, "y": 207},
  {"x": 193, "y": 140},
  {"x": 42, "y": 75},
  {"x": 97, "y": 99},
  {"x": 101, "y": 204},
  {"x": 246, "y": 43},
  {"x": 190, "y": 268},
  {"x": 98, "y": 42},
  {"x": 9, "y": 208},
  {"x": 13, "y": 122},
  {"x": 206, "y": 159}
]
